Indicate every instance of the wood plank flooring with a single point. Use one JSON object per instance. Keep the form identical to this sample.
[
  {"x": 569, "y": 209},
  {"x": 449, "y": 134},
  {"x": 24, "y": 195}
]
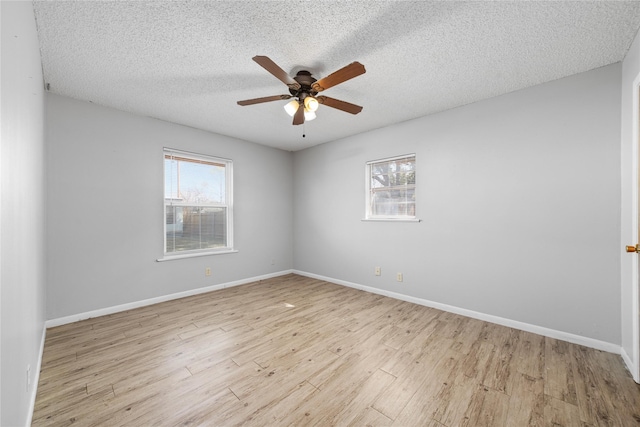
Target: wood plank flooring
[{"x": 295, "y": 351}]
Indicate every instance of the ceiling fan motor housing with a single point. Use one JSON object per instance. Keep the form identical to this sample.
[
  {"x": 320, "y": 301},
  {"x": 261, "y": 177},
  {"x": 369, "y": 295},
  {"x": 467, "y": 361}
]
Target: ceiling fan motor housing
[{"x": 305, "y": 79}]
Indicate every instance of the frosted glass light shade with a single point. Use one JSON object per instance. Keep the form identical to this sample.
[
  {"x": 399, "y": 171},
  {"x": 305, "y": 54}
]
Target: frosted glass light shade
[
  {"x": 291, "y": 107},
  {"x": 309, "y": 115},
  {"x": 311, "y": 104}
]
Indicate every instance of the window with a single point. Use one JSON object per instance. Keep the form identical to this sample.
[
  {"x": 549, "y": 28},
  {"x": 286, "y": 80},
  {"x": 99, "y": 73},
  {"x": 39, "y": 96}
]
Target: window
[
  {"x": 197, "y": 203},
  {"x": 391, "y": 188}
]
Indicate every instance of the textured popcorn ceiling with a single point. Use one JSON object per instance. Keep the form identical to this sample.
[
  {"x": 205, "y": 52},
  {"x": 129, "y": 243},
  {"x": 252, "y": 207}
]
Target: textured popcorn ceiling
[{"x": 188, "y": 62}]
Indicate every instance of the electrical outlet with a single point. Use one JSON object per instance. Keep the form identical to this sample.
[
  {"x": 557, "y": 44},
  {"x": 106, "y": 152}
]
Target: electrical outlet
[
  {"x": 378, "y": 271},
  {"x": 399, "y": 277},
  {"x": 207, "y": 271}
]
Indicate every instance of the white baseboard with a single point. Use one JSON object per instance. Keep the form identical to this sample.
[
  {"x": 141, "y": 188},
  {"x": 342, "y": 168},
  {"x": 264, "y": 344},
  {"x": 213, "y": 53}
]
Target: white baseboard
[
  {"x": 137, "y": 304},
  {"x": 551, "y": 333},
  {"x": 628, "y": 361},
  {"x": 36, "y": 379}
]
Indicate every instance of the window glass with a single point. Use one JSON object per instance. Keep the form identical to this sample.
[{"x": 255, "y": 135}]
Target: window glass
[
  {"x": 197, "y": 200},
  {"x": 391, "y": 188}
]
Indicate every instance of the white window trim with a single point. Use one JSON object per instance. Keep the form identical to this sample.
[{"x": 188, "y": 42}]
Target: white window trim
[
  {"x": 394, "y": 219},
  {"x": 169, "y": 256},
  {"x": 195, "y": 254},
  {"x": 367, "y": 202}
]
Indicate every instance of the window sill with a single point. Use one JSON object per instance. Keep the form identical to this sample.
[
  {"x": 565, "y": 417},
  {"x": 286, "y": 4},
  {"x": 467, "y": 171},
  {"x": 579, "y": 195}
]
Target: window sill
[
  {"x": 194, "y": 255},
  {"x": 391, "y": 220}
]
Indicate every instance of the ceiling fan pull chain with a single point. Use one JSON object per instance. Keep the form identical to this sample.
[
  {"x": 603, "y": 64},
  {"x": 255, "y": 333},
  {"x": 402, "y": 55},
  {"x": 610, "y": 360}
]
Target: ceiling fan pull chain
[{"x": 303, "y": 131}]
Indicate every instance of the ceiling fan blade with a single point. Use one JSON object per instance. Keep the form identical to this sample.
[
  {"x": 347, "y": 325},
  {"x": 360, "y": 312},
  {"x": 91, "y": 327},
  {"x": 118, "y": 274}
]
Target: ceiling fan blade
[
  {"x": 340, "y": 105},
  {"x": 277, "y": 72},
  {"x": 263, "y": 99},
  {"x": 342, "y": 75},
  {"x": 298, "y": 118}
]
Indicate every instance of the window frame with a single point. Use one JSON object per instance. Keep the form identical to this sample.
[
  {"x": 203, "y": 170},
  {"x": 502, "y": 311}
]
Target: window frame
[
  {"x": 227, "y": 204},
  {"x": 369, "y": 216}
]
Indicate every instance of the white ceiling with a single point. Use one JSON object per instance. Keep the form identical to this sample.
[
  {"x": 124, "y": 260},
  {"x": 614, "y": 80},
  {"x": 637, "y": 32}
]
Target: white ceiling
[{"x": 188, "y": 62}]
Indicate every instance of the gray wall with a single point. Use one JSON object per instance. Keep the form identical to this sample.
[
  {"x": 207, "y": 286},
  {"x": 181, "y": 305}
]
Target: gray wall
[
  {"x": 630, "y": 70},
  {"x": 22, "y": 212},
  {"x": 519, "y": 198},
  {"x": 105, "y": 198}
]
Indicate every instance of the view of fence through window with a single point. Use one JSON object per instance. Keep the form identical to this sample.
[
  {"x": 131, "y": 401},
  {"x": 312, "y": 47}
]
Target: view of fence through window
[
  {"x": 392, "y": 188},
  {"x": 196, "y": 202}
]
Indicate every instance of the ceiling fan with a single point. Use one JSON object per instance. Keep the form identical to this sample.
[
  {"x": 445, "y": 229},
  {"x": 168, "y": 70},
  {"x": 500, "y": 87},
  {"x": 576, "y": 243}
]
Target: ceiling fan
[{"x": 304, "y": 89}]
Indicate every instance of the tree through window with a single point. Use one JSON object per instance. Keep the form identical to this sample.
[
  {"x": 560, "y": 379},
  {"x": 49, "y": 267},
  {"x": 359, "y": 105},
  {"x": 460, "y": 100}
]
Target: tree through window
[{"x": 391, "y": 188}]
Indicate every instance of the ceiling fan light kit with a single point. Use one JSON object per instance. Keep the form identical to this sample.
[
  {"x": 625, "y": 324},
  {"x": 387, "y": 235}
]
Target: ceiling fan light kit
[
  {"x": 310, "y": 108},
  {"x": 311, "y": 104},
  {"x": 304, "y": 89},
  {"x": 291, "y": 107},
  {"x": 309, "y": 115}
]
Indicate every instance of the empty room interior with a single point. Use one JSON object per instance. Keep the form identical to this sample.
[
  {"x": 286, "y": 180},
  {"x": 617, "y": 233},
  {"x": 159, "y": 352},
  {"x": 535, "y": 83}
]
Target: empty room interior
[{"x": 416, "y": 213}]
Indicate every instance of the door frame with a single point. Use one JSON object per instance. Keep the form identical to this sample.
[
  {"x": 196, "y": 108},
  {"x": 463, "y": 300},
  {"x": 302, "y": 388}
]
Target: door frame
[{"x": 634, "y": 364}]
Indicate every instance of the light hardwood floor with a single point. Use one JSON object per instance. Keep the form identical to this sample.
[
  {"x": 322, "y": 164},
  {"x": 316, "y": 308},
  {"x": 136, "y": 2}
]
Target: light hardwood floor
[{"x": 298, "y": 351}]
